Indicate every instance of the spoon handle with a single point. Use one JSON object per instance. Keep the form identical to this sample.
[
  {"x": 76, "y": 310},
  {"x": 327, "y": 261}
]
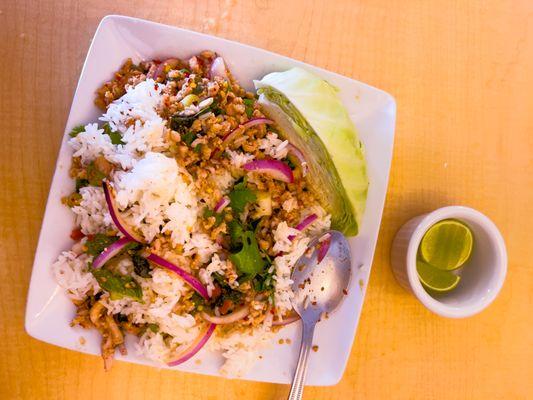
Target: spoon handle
[{"x": 298, "y": 381}]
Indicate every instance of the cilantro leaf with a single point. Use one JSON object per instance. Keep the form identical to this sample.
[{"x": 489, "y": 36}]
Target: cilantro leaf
[
  {"x": 76, "y": 130},
  {"x": 240, "y": 196},
  {"x": 218, "y": 216},
  {"x": 249, "y": 107},
  {"x": 248, "y": 260},
  {"x": 115, "y": 136},
  {"x": 118, "y": 286},
  {"x": 236, "y": 232},
  {"x": 94, "y": 175}
]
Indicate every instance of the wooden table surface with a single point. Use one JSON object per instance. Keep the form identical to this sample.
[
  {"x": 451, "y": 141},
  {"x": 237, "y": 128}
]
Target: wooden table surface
[{"x": 462, "y": 75}]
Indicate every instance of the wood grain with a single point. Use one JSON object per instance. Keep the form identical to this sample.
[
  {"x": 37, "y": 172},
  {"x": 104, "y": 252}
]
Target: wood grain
[{"x": 462, "y": 75}]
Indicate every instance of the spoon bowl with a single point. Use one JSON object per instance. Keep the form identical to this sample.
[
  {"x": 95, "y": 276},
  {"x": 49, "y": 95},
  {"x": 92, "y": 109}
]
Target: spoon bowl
[
  {"x": 320, "y": 280},
  {"x": 321, "y": 276}
]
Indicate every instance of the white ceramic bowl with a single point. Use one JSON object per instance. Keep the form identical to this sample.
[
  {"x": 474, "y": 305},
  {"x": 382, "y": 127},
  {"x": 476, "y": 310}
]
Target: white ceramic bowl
[{"x": 481, "y": 277}]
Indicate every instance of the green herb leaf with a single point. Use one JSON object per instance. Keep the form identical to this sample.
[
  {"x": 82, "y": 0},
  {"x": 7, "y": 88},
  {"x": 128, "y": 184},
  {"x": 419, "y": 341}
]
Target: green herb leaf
[
  {"x": 248, "y": 260},
  {"x": 245, "y": 278},
  {"x": 118, "y": 286},
  {"x": 232, "y": 295},
  {"x": 219, "y": 279},
  {"x": 249, "y": 107},
  {"x": 115, "y": 136},
  {"x": 98, "y": 243},
  {"x": 188, "y": 137},
  {"x": 197, "y": 300},
  {"x": 240, "y": 196},
  {"x": 94, "y": 175},
  {"x": 133, "y": 246},
  {"x": 153, "y": 327},
  {"x": 198, "y": 89},
  {"x": 236, "y": 232},
  {"x": 141, "y": 266},
  {"x": 80, "y": 183},
  {"x": 198, "y": 148},
  {"x": 76, "y": 130},
  {"x": 208, "y": 213}
]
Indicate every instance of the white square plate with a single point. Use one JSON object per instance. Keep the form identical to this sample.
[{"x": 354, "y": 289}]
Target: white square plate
[{"x": 373, "y": 111}]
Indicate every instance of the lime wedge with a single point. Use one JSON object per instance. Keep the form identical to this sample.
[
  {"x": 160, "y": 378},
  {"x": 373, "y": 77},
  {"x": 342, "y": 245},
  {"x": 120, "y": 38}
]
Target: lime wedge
[
  {"x": 436, "y": 279},
  {"x": 447, "y": 244}
]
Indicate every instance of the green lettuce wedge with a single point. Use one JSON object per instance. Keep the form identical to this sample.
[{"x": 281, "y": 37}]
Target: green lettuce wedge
[{"x": 312, "y": 117}]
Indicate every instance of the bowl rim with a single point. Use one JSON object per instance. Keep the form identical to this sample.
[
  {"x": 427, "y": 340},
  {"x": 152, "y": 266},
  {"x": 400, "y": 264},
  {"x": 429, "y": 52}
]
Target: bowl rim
[{"x": 460, "y": 213}]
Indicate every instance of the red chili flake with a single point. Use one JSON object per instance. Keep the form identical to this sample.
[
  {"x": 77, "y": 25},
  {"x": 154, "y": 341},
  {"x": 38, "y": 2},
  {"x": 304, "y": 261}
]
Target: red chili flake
[
  {"x": 76, "y": 234},
  {"x": 216, "y": 292},
  {"x": 345, "y": 292}
]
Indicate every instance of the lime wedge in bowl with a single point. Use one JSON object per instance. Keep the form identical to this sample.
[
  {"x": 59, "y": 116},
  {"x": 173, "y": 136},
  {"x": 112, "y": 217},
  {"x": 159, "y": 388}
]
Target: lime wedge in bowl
[
  {"x": 447, "y": 245},
  {"x": 436, "y": 279}
]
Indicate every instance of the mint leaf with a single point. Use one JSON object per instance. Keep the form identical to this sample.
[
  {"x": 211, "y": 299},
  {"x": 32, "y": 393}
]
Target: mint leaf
[
  {"x": 118, "y": 286},
  {"x": 98, "y": 243}
]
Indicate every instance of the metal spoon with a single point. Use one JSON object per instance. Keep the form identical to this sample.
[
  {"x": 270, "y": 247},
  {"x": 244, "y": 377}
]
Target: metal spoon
[{"x": 319, "y": 286}]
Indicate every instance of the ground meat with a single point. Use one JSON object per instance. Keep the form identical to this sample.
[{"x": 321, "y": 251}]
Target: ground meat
[{"x": 116, "y": 87}]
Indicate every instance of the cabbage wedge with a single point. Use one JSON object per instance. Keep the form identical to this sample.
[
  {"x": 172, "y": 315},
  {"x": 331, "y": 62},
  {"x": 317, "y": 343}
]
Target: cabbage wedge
[{"x": 312, "y": 117}]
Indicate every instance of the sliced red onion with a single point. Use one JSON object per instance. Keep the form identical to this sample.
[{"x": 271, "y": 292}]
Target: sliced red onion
[
  {"x": 274, "y": 168},
  {"x": 111, "y": 251},
  {"x": 323, "y": 249},
  {"x": 222, "y": 203},
  {"x": 158, "y": 70},
  {"x": 304, "y": 224},
  {"x": 191, "y": 280},
  {"x": 235, "y": 316},
  {"x": 286, "y": 321},
  {"x": 218, "y": 68},
  {"x": 194, "y": 347},
  {"x": 152, "y": 71},
  {"x": 115, "y": 215},
  {"x": 295, "y": 151}
]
